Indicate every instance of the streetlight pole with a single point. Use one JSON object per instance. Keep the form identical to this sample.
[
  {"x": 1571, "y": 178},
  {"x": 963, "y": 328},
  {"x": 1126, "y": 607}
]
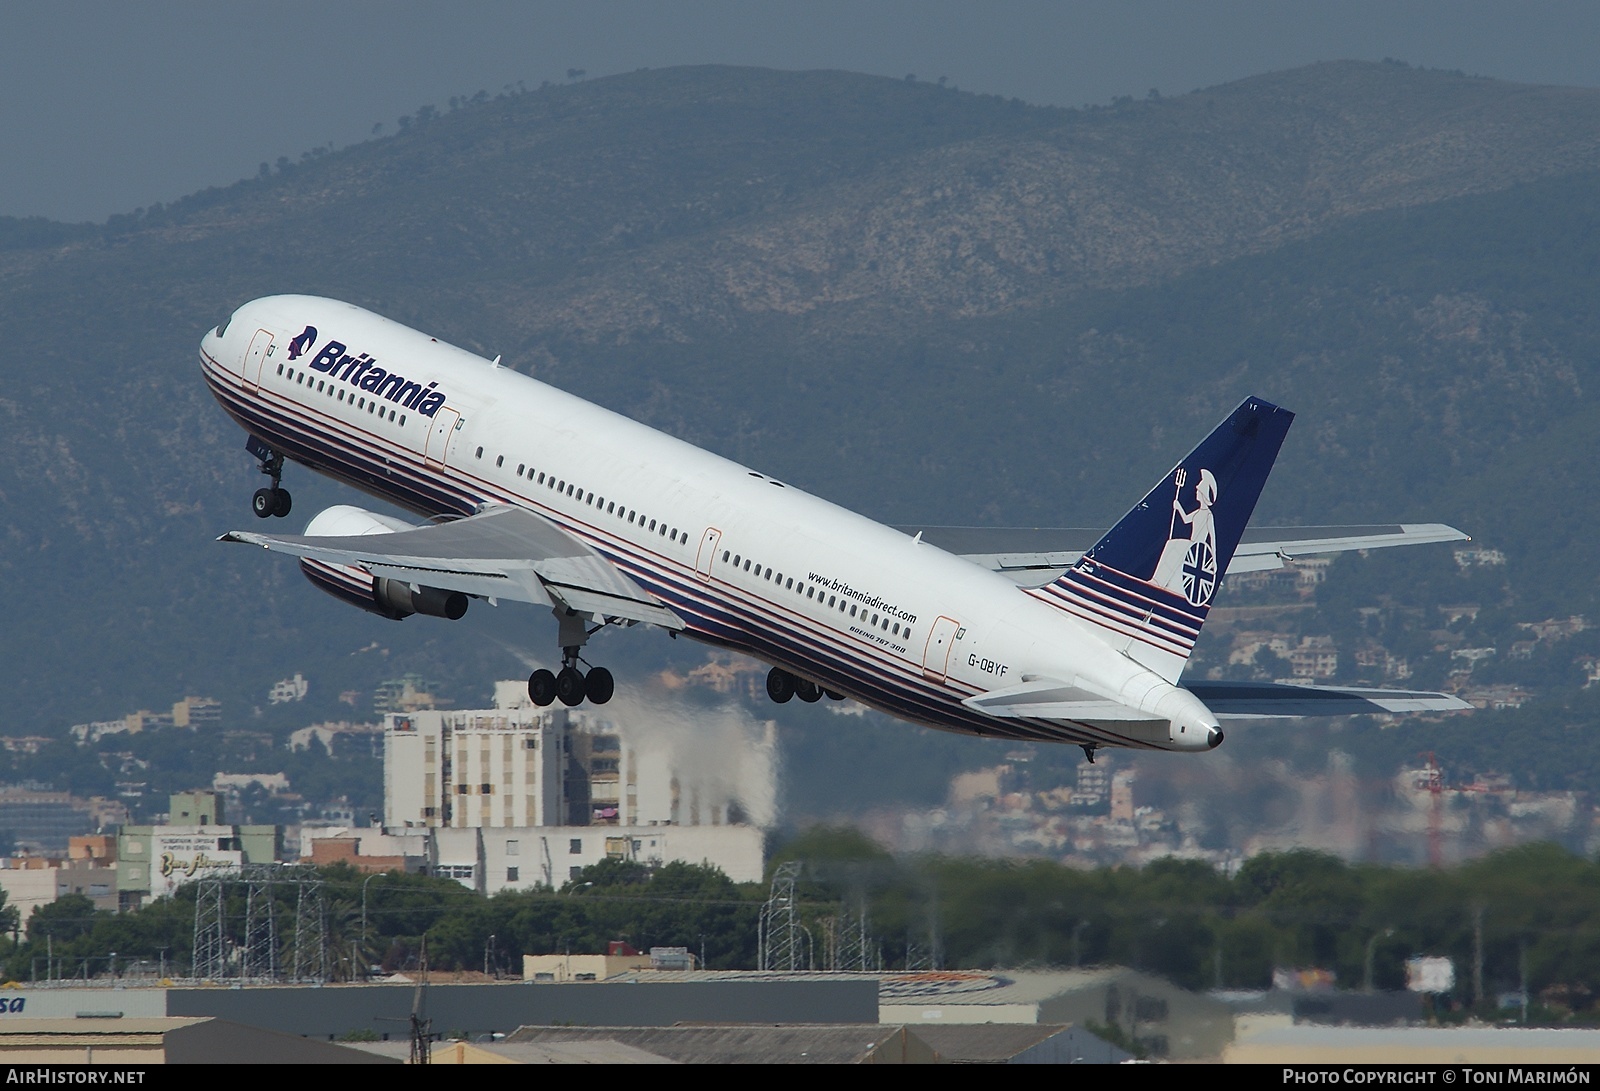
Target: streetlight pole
[
  {"x": 364, "y": 882},
  {"x": 1372, "y": 945}
]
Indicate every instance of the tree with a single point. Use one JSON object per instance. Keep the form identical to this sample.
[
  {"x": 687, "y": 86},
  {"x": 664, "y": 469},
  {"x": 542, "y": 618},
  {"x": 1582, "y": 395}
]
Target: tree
[{"x": 67, "y": 918}]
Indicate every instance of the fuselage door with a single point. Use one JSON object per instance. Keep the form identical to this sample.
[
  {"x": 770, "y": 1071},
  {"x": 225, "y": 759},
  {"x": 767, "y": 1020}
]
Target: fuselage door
[
  {"x": 936, "y": 656},
  {"x": 441, "y": 435},
  {"x": 708, "y": 552},
  {"x": 261, "y": 347}
]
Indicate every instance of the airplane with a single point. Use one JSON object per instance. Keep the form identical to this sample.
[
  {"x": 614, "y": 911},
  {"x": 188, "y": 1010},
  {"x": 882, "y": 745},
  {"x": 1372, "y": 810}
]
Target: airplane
[{"x": 530, "y": 494}]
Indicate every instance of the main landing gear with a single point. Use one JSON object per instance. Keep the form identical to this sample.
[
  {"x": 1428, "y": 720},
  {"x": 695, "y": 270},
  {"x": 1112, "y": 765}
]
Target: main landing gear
[
  {"x": 1088, "y": 751},
  {"x": 781, "y": 685},
  {"x": 275, "y": 500},
  {"x": 572, "y": 684}
]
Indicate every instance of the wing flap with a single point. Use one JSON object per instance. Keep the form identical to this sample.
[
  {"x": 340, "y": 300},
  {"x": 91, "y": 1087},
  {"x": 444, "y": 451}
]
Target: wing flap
[
  {"x": 502, "y": 552},
  {"x": 1259, "y": 700}
]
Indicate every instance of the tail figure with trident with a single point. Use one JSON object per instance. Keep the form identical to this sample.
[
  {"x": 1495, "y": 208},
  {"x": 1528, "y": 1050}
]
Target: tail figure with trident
[{"x": 1188, "y": 565}]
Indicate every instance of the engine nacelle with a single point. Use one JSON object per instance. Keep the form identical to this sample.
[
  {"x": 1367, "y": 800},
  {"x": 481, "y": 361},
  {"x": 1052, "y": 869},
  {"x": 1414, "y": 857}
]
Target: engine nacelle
[{"x": 393, "y": 599}]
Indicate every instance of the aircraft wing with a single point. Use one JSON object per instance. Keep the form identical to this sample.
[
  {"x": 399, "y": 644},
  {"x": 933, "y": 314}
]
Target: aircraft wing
[
  {"x": 1035, "y": 556},
  {"x": 502, "y": 552},
  {"x": 1253, "y": 700}
]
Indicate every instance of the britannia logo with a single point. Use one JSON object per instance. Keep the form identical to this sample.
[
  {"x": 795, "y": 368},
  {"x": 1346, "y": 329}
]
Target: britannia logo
[
  {"x": 1188, "y": 564},
  {"x": 363, "y": 371},
  {"x": 307, "y": 338}
]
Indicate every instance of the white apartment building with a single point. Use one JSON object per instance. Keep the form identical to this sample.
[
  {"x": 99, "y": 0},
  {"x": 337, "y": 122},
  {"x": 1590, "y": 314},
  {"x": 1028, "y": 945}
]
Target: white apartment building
[
  {"x": 466, "y": 769},
  {"x": 492, "y": 859},
  {"x": 523, "y": 766},
  {"x": 517, "y": 796}
]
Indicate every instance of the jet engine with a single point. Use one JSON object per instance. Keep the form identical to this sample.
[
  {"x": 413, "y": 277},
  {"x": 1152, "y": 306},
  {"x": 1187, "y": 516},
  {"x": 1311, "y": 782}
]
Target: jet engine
[{"x": 390, "y": 598}]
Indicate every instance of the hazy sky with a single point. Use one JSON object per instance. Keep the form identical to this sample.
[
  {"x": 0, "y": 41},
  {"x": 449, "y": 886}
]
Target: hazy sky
[{"x": 107, "y": 106}]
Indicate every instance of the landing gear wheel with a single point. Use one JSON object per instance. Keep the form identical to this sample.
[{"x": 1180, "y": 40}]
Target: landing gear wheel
[
  {"x": 569, "y": 686},
  {"x": 541, "y": 687},
  {"x": 280, "y": 506},
  {"x": 807, "y": 690},
  {"x": 832, "y": 696},
  {"x": 598, "y": 686},
  {"x": 780, "y": 685},
  {"x": 264, "y": 503}
]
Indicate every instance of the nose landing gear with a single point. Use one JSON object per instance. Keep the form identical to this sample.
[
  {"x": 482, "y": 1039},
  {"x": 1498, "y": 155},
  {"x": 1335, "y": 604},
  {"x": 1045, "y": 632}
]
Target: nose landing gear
[{"x": 273, "y": 501}]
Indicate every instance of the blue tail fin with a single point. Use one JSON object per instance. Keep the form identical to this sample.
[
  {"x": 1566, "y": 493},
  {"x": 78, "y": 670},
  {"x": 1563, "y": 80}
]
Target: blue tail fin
[{"x": 1149, "y": 582}]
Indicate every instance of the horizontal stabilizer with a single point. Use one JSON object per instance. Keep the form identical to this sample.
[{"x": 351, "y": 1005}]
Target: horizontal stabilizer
[
  {"x": 1252, "y": 700},
  {"x": 503, "y": 552},
  {"x": 1035, "y": 556},
  {"x": 1048, "y": 699}
]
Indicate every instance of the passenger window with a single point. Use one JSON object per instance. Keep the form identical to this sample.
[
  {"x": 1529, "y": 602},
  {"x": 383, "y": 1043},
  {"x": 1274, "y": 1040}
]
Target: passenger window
[
  {"x": 479, "y": 454},
  {"x": 500, "y": 460},
  {"x": 830, "y": 600},
  {"x": 663, "y": 531},
  {"x": 589, "y": 499},
  {"x": 402, "y": 420},
  {"x": 652, "y": 524},
  {"x": 809, "y": 593},
  {"x": 852, "y": 611},
  {"x": 541, "y": 479},
  {"x": 724, "y": 556},
  {"x": 280, "y": 369},
  {"x": 747, "y": 566},
  {"x": 789, "y": 585},
  {"x": 874, "y": 619},
  {"x": 768, "y": 576},
  {"x": 735, "y": 559},
  {"x": 897, "y": 628},
  {"x": 611, "y": 509}
]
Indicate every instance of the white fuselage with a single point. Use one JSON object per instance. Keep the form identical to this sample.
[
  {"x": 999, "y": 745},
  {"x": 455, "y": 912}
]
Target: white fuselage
[{"x": 748, "y": 562}]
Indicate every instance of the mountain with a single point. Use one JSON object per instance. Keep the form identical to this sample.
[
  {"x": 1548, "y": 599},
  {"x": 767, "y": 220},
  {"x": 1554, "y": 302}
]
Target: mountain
[{"x": 922, "y": 303}]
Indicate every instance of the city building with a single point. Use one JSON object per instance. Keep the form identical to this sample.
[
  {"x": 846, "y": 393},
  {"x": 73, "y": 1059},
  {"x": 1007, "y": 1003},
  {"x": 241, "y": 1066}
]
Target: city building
[
  {"x": 43, "y": 822},
  {"x": 89, "y": 868},
  {"x": 196, "y": 839},
  {"x": 519, "y": 797},
  {"x": 490, "y": 859},
  {"x": 619, "y": 958},
  {"x": 548, "y": 767},
  {"x": 1169, "y": 1022}
]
